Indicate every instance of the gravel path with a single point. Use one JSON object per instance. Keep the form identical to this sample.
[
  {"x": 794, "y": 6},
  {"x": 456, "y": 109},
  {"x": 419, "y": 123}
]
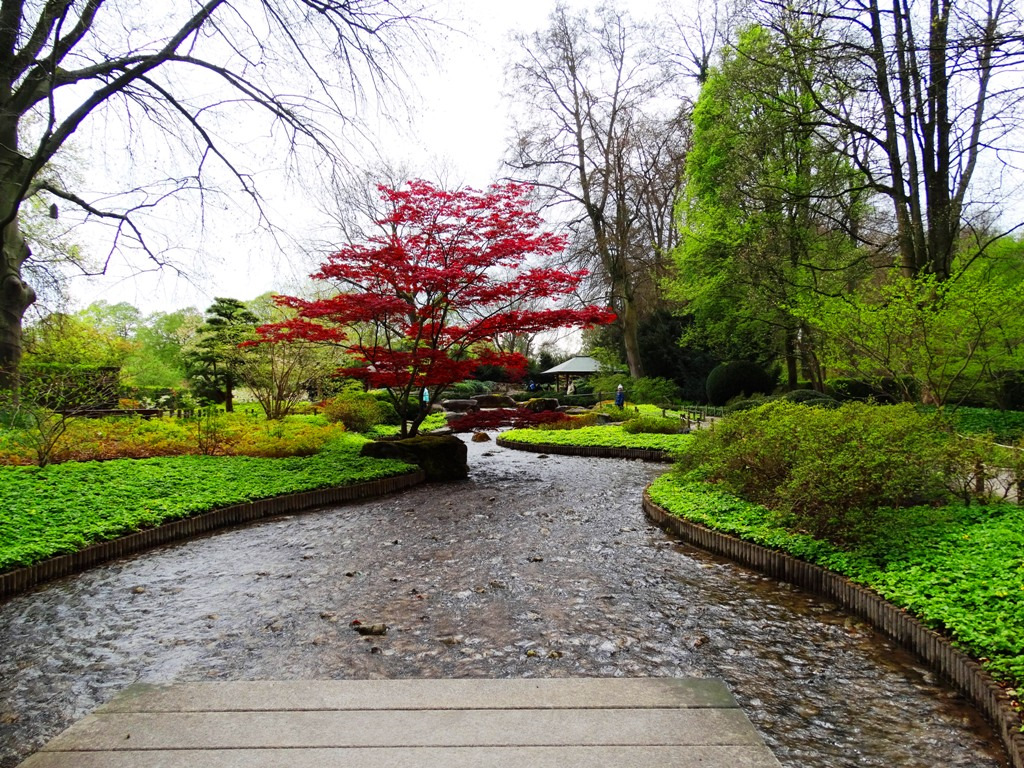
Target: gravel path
[{"x": 535, "y": 567}]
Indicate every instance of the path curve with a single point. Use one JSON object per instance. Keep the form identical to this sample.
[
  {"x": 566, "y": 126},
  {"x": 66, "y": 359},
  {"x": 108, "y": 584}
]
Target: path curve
[{"x": 534, "y": 567}]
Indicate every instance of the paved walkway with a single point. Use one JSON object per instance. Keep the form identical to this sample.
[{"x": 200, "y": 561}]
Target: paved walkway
[{"x": 520, "y": 723}]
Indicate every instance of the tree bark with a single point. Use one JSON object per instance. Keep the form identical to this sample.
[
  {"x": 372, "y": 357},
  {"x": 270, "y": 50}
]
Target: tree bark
[
  {"x": 16, "y": 296},
  {"x": 630, "y": 324}
]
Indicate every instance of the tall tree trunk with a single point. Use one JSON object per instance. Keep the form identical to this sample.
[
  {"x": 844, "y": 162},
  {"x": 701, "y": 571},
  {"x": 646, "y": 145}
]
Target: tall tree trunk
[
  {"x": 792, "y": 369},
  {"x": 16, "y": 296},
  {"x": 630, "y": 325}
]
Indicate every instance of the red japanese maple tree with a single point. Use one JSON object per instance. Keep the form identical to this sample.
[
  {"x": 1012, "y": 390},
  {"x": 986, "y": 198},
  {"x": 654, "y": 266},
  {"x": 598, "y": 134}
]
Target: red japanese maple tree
[{"x": 421, "y": 304}]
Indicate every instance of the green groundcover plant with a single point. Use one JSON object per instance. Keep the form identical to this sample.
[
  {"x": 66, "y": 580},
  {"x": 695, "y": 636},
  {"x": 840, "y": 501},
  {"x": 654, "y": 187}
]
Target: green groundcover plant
[
  {"x": 958, "y": 568},
  {"x": 1005, "y": 426},
  {"x": 64, "y": 507},
  {"x": 608, "y": 436}
]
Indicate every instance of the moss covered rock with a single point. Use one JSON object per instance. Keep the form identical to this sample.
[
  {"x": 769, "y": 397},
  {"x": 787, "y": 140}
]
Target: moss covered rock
[{"x": 442, "y": 457}]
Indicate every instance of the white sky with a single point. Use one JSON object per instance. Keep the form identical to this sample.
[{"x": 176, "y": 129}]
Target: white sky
[{"x": 458, "y": 121}]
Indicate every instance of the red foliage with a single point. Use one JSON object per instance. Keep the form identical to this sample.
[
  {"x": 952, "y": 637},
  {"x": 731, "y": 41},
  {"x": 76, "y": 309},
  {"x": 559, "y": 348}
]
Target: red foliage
[{"x": 422, "y": 304}]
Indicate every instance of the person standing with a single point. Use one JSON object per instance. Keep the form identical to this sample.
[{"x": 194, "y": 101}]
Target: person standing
[{"x": 620, "y": 397}]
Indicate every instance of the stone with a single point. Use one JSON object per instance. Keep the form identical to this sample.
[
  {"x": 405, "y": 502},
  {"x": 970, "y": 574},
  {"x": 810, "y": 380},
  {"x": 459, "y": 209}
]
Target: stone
[
  {"x": 495, "y": 401},
  {"x": 481, "y": 437},
  {"x": 541, "y": 404},
  {"x": 460, "y": 406},
  {"x": 442, "y": 457}
]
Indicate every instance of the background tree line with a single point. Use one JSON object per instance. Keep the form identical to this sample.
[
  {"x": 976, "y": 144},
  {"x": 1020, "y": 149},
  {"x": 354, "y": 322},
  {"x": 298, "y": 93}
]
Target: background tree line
[
  {"x": 803, "y": 185},
  {"x": 812, "y": 186}
]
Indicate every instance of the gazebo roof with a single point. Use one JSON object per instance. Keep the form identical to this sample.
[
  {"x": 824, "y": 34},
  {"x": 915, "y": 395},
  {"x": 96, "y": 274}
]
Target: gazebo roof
[{"x": 577, "y": 366}]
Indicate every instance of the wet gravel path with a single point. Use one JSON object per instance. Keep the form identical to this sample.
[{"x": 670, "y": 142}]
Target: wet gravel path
[{"x": 536, "y": 566}]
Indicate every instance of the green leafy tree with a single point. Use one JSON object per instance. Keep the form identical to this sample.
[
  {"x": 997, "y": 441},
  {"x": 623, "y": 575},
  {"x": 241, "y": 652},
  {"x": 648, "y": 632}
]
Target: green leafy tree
[
  {"x": 279, "y": 375},
  {"x": 158, "y": 359},
  {"x": 214, "y": 359},
  {"x": 766, "y": 215},
  {"x": 927, "y": 94},
  {"x": 937, "y": 340},
  {"x": 74, "y": 339}
]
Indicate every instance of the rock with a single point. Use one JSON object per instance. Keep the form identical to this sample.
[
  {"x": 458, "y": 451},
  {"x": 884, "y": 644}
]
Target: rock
[
  {"x": 442, "y": 457},
  {"x": 540, "y": 404},
  {"x": 370, "y": 629},
  {"x": 481, "y": 437},
  {"x": 495, "y": 401},
  {"x": 460, "y": 406},
  {"x": 573, "y": 410}
]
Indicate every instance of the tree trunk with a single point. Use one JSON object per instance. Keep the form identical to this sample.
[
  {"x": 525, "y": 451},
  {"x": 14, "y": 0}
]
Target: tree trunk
[
  {"x": 630, "y": 325},
  {"x": 792, "y": 370},
  {"x": 16, "y": 296}
]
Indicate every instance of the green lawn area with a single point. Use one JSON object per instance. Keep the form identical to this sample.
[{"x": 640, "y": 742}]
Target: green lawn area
[
  {"x": 610, "y": 435},
  {"x": 65, "y": 507}
]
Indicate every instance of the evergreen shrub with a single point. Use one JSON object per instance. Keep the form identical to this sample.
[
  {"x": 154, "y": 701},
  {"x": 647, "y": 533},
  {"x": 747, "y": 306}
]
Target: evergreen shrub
[{"x": 736, "y": 378}]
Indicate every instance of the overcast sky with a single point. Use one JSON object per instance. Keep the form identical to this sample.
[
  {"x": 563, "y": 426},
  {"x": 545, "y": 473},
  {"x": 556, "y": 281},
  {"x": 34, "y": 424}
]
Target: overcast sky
[{"x": 457, "y": 120}]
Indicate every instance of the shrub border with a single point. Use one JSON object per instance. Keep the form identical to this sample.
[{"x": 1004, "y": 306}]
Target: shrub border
[
  {"x": 599, "y": 451},
  {"x": 966, "y": 674},
  {"x": 23, "y": 579}
]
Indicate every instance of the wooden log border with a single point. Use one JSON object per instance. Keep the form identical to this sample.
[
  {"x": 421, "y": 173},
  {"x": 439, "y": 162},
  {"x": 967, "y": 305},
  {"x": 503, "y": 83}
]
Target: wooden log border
[
  {"x": 958, "y": 668},
  {"x": 23, "y": 579},
  {"x": 598, "y": 451}
]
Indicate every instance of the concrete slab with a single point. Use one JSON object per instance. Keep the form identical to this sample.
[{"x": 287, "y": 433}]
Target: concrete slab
[
  {"x": 427, "y": 757},
  {"x": 422, "y": 728},
  {"x": 566, "y": 723},
  {"x": 339, "y": 695}
]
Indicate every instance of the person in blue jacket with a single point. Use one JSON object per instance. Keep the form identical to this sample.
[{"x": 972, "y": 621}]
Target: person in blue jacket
[{"x": 620, "y": 397}]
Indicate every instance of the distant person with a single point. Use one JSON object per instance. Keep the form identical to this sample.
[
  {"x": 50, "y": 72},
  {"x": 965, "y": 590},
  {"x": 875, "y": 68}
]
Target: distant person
[
  {"x": 571, "y": 389},
  {"x": 532, "y": 386},
  {"x": 620, "y": 397}
]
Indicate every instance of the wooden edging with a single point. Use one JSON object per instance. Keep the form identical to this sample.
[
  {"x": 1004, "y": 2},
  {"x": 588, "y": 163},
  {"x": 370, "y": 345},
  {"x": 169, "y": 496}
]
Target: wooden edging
[
  {"x": 598, "y": 451},
  {"x": 23, "y": 579},
  {"x": 958, "y": 668}
]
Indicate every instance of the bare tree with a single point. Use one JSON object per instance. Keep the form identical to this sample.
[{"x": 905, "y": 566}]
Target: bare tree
[
  {"x": 195, "y": 73},
  {"x": 701, "y": 31},
  {"x": 929, "y": 89},
  {"x": 602, "y": 136}
]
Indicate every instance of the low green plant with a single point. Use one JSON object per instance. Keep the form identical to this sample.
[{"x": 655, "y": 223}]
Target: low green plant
[
  {"x": 358, "y": 412},
  {"x": 45, "y": 511},
  {"x": 653, "y": 425},
  {"x": 430, "y": 423},
  {"x": 832, "y": 473},
  {"x": 607, "y": 436},
  {"x": 1005, "y": 426}
]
